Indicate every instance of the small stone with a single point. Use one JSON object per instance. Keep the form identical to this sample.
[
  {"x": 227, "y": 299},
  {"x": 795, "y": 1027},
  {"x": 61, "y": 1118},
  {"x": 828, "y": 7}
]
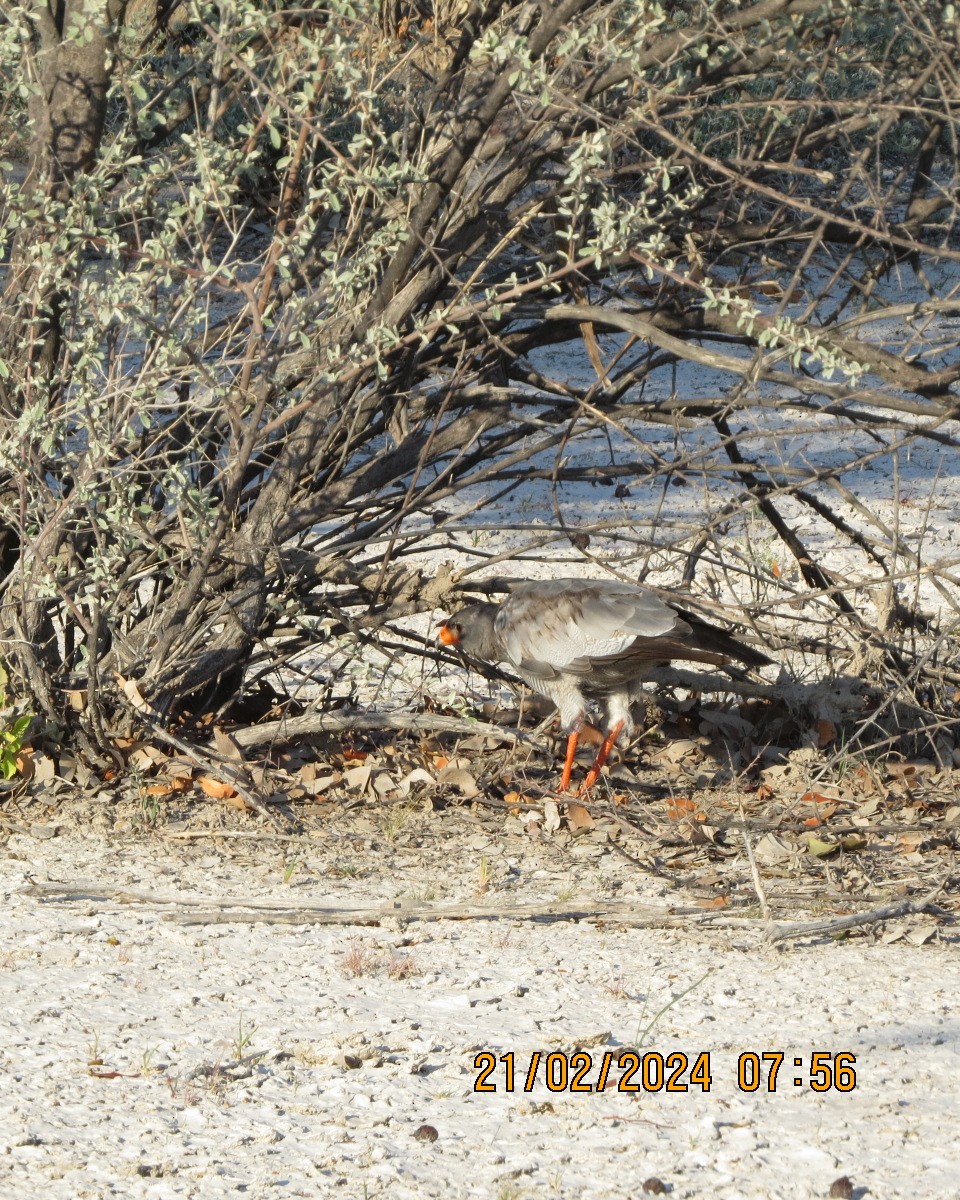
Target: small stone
[
  {"x": 841, "y": 1189},
  {"x": 426, "y": 1133}
]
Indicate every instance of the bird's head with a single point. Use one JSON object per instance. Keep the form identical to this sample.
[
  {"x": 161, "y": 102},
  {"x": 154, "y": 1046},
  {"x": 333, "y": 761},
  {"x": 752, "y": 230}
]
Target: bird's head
[{"x": 472, "y": 631}]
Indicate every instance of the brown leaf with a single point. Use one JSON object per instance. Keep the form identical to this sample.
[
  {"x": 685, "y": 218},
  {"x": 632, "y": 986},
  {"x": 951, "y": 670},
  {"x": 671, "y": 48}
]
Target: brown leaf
[
  {"x": 140, "y": 760},
  {"x": 817, "y": 798},
  {"x": 864, "y": 779},
  {"x": 317, "y": 787},
  {"x": 826, "y": 732},
  {"x": 45, "y": 770},
  {"x": 132, "y": 693},
  {"x": 417, "y": 775},
  {"x": 384, "y": 783},
  {"x": 358, "y": 777},
  {"x": 216, "y": 789},
  {"x": 908, "y": 771},
  {"x": 679, "y": 807},
  {"x": 24, "y": 764},
  {"x": 165, "y": 787},
  {"x": 457, "y": 777},
  {"x": 226, "y": 746},
  {"x": 578, "y": 817},
  {"x": 771, "y": 851},
  {"x": 590, "y": 735}
]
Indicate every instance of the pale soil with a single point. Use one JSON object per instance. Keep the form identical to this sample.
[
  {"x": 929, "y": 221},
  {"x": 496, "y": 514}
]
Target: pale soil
[{"x": 98, "y": 986}]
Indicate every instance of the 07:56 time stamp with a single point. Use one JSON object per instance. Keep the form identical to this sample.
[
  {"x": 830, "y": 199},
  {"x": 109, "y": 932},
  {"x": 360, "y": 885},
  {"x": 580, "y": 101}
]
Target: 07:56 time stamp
[{"x": 632, "y": 1071}]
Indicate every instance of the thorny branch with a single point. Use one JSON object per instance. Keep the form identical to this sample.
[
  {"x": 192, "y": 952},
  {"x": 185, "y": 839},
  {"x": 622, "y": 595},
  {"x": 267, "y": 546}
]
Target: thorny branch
[{"x": 307, "y": 337}]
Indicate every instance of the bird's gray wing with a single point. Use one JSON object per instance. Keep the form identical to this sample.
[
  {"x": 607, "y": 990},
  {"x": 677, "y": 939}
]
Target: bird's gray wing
[{"x": 562, "y": 625}]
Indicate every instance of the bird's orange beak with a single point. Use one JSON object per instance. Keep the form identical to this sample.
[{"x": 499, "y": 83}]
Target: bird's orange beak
[{"x": 448, "y": 636}]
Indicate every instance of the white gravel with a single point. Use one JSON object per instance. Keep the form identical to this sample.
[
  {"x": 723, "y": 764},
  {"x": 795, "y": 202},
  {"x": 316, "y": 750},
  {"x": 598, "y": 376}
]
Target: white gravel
[{"x": 159, "y": 1002}]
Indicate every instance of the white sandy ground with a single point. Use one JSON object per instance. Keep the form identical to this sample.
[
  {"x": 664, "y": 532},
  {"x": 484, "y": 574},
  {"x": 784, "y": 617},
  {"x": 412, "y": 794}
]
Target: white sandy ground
[{"x": 154, "y": 1000}]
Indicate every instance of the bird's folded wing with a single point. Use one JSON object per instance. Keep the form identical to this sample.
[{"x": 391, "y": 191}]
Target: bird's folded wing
[{"x": 561, "y": 625}]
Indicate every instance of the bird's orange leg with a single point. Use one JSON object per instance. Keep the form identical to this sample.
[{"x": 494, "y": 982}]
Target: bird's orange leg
[
  {"x": 608, "y": 744},
  {"x": 572, "y": 740}
]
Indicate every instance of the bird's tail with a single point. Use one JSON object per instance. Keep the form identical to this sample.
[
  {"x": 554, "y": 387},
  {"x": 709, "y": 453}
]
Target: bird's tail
[{"x": 710, "y": 640}]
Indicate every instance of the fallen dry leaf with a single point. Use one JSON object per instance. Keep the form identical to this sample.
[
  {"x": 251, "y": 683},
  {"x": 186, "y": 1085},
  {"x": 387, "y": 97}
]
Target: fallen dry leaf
[
  {"x": 818, "y": 798},
  {"x": 578, "y": 817},
  {"x": 384, "y": 783},
  {"x": 226, "y": 746},
  {"x": 590, "y": 735},
  {"x": 821, "y": 849},
  {"x": 140, "y": 760},
  {"x": 771, "y": 851},
  {"x": 909, "y": 770},
  {"x": 863, "y": 779},
  {"x": 679, "y": 807},
  {"x": 551, "y": 816},
  {"x": 164, "y": 787},
  {"x": 917, "y": 934},
  {"x": 44, "y": 768},
  {"x": 216, "y": 789},
  {"x": 457, "y": 777},
  {"x": 728, "y": 724},
  {"x": 132, "y": 693},
  {"x": 358, "y": 777},
  {"x": 24, "y": 764},
  {"x": 417, "y": 775},
  {"x": 677, "y": 750}
]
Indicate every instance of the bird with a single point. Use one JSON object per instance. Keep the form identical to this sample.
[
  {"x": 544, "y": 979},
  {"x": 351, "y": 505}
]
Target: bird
[{"x": 581, "y": 640}]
